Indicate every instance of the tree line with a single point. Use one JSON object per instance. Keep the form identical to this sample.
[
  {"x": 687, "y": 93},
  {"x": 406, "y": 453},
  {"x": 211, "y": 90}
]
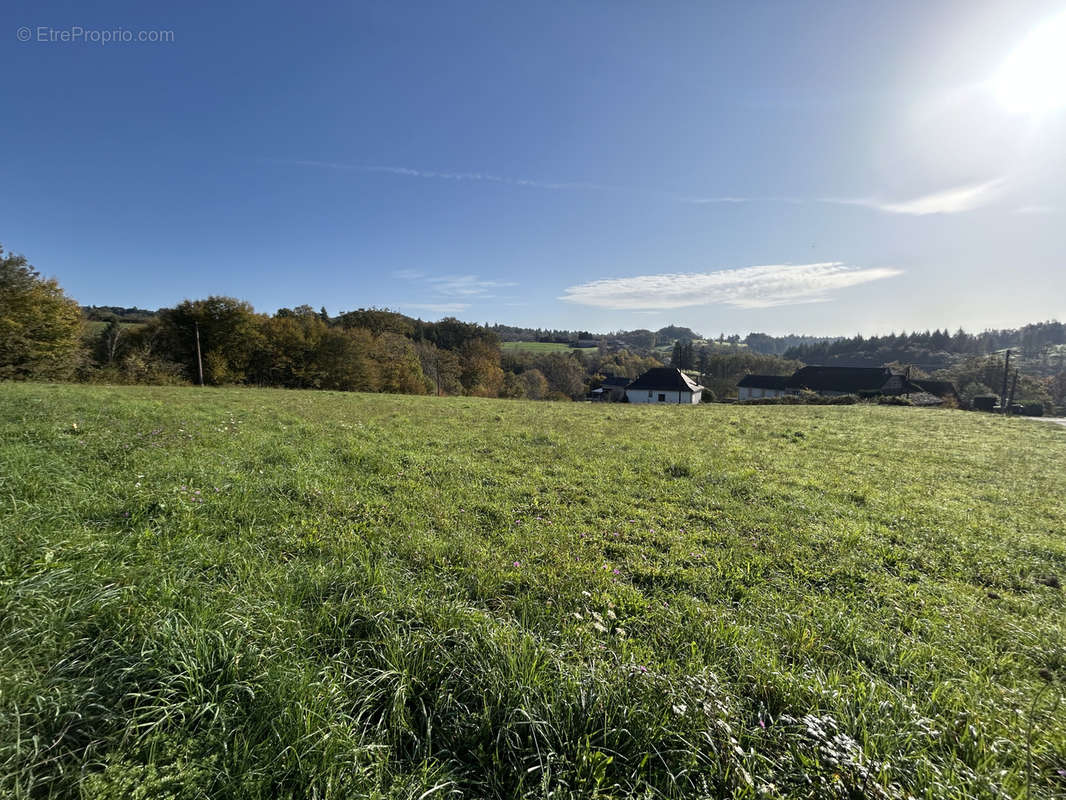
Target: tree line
[
  {"x": 1038, "y": 342},
  {"x": 45, "y": 335}
]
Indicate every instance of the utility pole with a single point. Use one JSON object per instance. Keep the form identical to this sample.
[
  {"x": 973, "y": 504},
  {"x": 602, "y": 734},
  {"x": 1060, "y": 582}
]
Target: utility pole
[
  {"x": 1003, "y": 394},
  {"x": 1013, "y": 385},
  {"x": 200, "y": 360}
]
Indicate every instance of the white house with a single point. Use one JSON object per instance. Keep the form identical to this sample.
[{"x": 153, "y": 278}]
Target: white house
[
  {"x": 664, "y": 385},
  {"x": 752, "y": 387}
]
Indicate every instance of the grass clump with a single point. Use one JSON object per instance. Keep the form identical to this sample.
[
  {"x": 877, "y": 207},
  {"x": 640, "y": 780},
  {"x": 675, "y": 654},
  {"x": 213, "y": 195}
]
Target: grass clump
[{"x": 245, "y": 594}]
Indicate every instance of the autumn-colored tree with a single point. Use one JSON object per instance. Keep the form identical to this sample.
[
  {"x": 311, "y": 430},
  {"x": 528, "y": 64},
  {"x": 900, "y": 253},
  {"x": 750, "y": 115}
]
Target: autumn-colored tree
[
  {"x": 481, "y": 373},
  {"x": 441, "y": 368},
  {"x": 287, "y": 356},
  {"x": 346, "y": 360},
  {"x": 565, "y": 374},
  {"x": 534, "y": 384},
  {"x": 399, "y": 369},
  {"x": 377, "y": 321},
  {"x": 40, "y": 327}
]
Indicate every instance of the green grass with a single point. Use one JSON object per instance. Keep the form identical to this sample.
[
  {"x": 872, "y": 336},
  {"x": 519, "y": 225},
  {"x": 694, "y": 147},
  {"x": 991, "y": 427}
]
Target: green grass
[
  {"x": 257, "y": 594},
  {"x": 535, "y": 347}
]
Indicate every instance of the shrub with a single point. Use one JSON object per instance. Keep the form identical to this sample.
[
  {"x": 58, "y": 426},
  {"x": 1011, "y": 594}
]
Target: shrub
[{"x": 806, "y": 398}]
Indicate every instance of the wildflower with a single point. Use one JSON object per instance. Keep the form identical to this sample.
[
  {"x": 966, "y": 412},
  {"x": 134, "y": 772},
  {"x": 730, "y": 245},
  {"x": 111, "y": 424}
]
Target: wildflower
[
  {"x": 615, "y": 571},
  {"x": 517, "y": 564}
]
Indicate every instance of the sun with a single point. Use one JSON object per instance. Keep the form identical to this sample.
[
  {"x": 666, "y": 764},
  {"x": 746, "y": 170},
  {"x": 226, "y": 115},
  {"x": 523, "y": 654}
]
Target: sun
[{"x": 1033, "y": 78}]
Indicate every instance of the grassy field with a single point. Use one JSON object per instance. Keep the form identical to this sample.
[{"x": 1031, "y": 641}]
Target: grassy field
[
  {"x": 535, "y": 347},
  {"x": 257, "y": 594}
]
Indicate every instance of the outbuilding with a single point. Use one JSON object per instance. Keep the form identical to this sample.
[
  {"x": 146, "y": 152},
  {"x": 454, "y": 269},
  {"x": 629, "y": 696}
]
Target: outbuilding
[{"x": 753, "y": 387}]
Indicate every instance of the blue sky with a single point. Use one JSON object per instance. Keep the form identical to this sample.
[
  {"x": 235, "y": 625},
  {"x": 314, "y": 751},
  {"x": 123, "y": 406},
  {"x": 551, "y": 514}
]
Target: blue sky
[{"x": 811, "y": 167}]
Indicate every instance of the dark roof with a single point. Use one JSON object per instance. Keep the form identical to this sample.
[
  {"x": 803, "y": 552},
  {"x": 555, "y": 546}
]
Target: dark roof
[
  {"x": 669, "y": 379},
  {"x": 764, "y": 381},
  {"x": 613, "y": 382},
  {"x": 840, "y": 379},
  {"x": 939, "y": 388}
]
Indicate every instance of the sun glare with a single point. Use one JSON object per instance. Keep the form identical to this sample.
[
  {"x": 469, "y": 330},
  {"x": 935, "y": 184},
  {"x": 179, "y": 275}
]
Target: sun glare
[{"x": 1033, "y": 78}]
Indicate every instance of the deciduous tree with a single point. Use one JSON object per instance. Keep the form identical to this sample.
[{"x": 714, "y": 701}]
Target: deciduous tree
[{"x": 40, "y": 327}]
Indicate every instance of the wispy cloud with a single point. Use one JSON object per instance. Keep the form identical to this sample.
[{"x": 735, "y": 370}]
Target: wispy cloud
[
  {"x": 703, "y": 201},
  {"x": 448, "y": 294},
  {"x": 466, "y": 286},
  {"x": 437, "y": 308},
  {"x": 452, "y": 285},
  {"x": 745, "y": 287},
  {"x": 410, "y": 172},
  {"x": 949, "y": 201},
  {"x": 444, "y": 175}
]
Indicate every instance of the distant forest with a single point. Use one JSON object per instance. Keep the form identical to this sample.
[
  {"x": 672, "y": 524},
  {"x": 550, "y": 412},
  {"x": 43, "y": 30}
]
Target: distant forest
[
  {"x": 1040, "y": 344},
  {"x": 642, "y": 338},
  {"x": 45, "y": 335}
]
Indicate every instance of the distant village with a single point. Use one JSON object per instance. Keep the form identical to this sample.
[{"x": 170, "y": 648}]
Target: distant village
[{"x": 672, "y": 386}]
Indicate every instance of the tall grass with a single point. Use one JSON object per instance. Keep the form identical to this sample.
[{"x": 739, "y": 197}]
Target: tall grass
[{"x": 245, "y": 594}]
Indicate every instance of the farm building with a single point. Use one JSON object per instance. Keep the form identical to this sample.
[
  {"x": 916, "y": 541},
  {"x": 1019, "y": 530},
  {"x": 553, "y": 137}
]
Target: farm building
[
  {"x": 863, "y": 381},
  {"x": 835, "y": 381},
  {"x": 611, "y": 390},
  {"x": 752, "y": 387},
  {"x": 664, "y": 385}
]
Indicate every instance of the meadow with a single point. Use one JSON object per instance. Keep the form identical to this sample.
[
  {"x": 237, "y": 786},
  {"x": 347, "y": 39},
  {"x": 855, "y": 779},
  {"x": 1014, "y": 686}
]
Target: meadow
[
  {"x": 535, "y": 347},
  {"x": 239, "y": 593}
]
